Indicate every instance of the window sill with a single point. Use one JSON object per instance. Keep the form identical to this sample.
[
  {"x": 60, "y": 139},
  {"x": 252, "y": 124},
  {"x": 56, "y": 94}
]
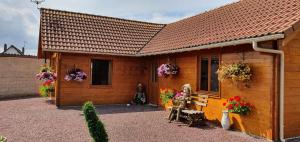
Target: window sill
[
  {"x": 213, "y": 95},
  {"x": 100, "y": 86}
]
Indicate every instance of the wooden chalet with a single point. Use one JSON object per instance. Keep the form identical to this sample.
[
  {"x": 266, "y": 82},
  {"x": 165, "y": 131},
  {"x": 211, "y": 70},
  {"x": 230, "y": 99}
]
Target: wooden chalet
[{"x": 117, "y": 53}]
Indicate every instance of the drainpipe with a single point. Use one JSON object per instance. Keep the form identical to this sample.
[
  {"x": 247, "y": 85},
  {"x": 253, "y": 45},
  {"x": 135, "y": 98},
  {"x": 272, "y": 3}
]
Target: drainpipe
[{"x": 281, "y": 101}]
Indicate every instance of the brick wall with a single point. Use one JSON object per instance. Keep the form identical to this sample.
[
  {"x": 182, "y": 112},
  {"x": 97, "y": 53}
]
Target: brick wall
[{"x": 17, "y": 76}]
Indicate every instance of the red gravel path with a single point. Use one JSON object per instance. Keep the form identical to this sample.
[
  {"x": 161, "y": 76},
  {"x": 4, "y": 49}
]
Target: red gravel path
[{"x": 33, "y": 120}]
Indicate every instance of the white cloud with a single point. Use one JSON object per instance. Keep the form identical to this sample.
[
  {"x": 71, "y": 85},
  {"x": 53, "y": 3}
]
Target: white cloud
[
  {"x": 165, "y": 18},
  {"x": 19, "y": 19},
  {"x": 18, "y": 23}
]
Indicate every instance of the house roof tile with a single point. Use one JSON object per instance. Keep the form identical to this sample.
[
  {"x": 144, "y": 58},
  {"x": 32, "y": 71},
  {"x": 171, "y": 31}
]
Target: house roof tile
[
  {"x": 70, "y": 31},
  {"x": 76, "y": 32},
  {"x": 243, "y": 19}
]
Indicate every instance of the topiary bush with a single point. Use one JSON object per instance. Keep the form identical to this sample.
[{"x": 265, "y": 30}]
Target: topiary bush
[
  {"x": 3, "y": 139},
  {"x": 95, "y": 126}
]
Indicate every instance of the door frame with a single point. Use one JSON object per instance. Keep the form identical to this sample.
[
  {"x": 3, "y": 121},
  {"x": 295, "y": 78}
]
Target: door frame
[{"x": 153, "y": 82}]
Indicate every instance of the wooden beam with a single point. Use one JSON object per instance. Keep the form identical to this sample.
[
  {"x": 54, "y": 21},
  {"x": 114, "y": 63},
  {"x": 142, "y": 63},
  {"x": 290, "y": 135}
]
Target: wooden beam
[{"x": 291, "y": 36}]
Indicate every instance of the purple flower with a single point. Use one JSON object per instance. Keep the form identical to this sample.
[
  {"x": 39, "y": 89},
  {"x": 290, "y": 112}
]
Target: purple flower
[
  {"x": 67, "y": 78},
  {"x": 75, "y": 74},
  {"x": 167, "y": 69},
  {"x": 46, "y": 76}
]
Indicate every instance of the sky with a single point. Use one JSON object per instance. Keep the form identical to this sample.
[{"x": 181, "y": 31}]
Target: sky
[{"x": 19, "y": 19}]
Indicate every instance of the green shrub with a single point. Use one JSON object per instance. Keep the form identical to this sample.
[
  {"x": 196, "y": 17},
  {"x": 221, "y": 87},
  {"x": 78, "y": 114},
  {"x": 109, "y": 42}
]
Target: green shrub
[
  {"x": 2, "y": 139},
  {"x": 95, "y": 126},
  {"x": 166, "y": 95}
]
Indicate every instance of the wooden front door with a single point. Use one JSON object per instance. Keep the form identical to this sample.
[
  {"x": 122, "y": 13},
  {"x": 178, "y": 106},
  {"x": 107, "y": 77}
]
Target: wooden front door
[{"x": 153, "y": 83}]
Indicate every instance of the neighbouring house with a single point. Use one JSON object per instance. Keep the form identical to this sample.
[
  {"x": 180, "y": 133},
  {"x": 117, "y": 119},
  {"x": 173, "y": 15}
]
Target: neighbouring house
[
  {"x": 13, "y": 50},
  {"x": 117, "y": 53},
  {"x": 17, "y": 72}
]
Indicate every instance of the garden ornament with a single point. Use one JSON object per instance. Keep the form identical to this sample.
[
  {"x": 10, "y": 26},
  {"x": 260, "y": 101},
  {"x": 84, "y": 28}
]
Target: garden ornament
[
  {"x": 140, "y": 95},
  {"x": 186, "y": 90}
]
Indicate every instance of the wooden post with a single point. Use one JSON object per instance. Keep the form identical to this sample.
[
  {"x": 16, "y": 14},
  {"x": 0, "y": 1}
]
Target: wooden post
[{"x": 58, "y": 73}]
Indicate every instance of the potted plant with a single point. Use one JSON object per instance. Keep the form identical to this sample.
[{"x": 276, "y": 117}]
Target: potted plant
[
  {"x": 47, "y": 89},
  {"x": 236, "y": 72},
  {"x": 166, "y": 96},
  {"x": 76, "y": 75},
  {"x": 235, "y": 105}
]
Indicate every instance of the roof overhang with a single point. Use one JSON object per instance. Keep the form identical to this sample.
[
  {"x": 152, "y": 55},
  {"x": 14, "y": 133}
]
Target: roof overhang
[
  {"x": 194, "y": 48},
  {"x": 85, "y": 52}
]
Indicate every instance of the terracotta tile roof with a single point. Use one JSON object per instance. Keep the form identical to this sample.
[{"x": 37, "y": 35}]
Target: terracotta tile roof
[
  {"x": 70, "y": 31},
  {"x": 243, "y": 19},
  {"x": 76, "y": 32}
]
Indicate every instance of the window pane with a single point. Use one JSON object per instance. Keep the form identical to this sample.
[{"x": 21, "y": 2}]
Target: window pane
[
  {"x": 214, "y": 76},
  {"x": 101, "y": 72},
  {"x": 204, "y": 74}
]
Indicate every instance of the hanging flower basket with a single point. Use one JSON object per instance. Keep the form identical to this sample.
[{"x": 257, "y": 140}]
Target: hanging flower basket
[
  {"x": 236, "y": 72},
  {"x": 76, "y": 75},
  {"x": 165, "y": 70},
  {"x": 46, "y": 74}
]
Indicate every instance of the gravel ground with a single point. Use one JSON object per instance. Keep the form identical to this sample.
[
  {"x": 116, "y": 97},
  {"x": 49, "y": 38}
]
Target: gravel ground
[{"x": 33, "y": 120}]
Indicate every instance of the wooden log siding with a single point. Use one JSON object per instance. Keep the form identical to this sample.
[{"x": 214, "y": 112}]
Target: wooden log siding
[
  {"x": 259, "y": 94},
  {"x": 292, "y": 85},
  {"x": 126, "y": 73}
]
